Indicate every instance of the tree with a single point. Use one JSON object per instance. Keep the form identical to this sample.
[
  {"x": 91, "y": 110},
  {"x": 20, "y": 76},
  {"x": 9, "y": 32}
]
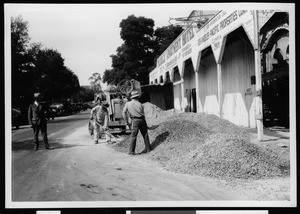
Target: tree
[
  {"x": 85, "y": 94},
  {"x": 136, "y": 57},
  {"x": 137, "y": 33},
  {"x": 136, "y": 54},
  {"x": 53, "y": 79},
  {"x": 95, "y": 81},
  {"x": 21, "y": 60},
  {"x": 114, "y": 76},
  {"x": 164, "y": 36},
  {"x": 35, "y": 68}
]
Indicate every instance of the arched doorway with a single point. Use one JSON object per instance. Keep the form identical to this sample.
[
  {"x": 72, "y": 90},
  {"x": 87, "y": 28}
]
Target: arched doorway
[{"x": 275, "y": 79}]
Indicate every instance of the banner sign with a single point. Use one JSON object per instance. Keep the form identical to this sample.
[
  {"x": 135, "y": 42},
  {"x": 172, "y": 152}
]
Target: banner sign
[{"x": 192, "y": 40}]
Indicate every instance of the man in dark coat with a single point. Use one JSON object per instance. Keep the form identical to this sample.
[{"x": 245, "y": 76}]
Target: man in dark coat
[{"x": 37, "y": 120}]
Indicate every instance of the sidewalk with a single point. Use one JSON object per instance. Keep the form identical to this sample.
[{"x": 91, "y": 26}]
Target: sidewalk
[{"x": 274, "y": 136}]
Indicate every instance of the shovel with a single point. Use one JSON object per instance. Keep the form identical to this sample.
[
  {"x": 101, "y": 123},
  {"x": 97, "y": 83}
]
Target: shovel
[{"x": 110, "y": 135}]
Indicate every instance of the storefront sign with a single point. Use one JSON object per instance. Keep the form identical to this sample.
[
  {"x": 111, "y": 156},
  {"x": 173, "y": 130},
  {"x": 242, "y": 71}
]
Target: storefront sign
[{"x": 191, "y": 42}]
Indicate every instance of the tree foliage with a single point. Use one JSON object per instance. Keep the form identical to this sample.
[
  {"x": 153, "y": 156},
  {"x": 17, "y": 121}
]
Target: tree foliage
[
  {"x": 164, "y": 36},
  {"x": 136, "y": 57},
  {"x": 95, "y": 81},
  {"x": 20, "y": 58},
  {"x": 37, "y": 69},
  {"x": 87, "y": 94},
  {"x": 54, "y": 80}
]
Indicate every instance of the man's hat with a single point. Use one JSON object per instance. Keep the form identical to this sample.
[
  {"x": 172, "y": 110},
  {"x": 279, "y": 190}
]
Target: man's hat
[
  {"x": 104, "y": 104},
  {"x": 134, "y": 94},
  {"x": 37, "y": 95}
]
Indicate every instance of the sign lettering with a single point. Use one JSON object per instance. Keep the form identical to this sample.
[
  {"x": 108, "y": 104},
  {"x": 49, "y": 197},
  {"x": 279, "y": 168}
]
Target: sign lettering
[
  {"x": 211, "y": 33},
  {"x": 174, "y": 48},
  {"x": 187, "y": 36}
]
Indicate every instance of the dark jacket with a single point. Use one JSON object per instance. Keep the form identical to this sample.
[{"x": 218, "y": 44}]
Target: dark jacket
[{"x": 37, "y": 114}]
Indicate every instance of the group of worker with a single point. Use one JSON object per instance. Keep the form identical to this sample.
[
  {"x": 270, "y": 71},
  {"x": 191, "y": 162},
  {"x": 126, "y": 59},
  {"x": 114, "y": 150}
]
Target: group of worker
[
  {"x": 100, "y": 116},
  {"x": 132, "y": 109}
]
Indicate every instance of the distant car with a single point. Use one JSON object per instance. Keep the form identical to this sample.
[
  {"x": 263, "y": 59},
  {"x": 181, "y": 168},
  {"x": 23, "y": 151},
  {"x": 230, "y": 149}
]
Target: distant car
[
  {"x": 58, "y": 109},
  {"x": 16, "y": 118},
  {"x": 52, "y": 113}
]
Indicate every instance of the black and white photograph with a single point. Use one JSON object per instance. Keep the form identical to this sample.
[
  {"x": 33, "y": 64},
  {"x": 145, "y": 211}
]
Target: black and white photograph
[{"x": 150, "y": 105}]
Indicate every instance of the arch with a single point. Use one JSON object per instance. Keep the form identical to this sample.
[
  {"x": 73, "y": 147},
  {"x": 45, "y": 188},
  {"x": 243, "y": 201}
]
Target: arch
[
  {"x": 275, "y": 36},
  {"x": 275, "y": 53},
  {"x": 172, "y": 74},
  {"x": 176, "y": 74},
  {"x": 161, "y": 79},
  {"x": 167, "y": 77},
  {"x": 187, "y": 67},
  {"x": 189, "y": 87}
]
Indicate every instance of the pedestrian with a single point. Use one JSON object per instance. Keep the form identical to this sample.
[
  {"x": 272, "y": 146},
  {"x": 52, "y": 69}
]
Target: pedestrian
[
  {"x": 37, "y": 119},
  {"x": 100, "y": 116},
  {"x": 135, "y": 110}
]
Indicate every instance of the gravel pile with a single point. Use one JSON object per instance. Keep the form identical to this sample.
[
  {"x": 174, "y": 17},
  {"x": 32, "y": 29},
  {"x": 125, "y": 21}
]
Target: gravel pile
[
  {"x": 207, "y": 145},
  {"x": 151, "y": 111}
]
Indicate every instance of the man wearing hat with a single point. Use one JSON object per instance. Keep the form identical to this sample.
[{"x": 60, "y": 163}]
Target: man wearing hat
[
  {"x": 37, "y": 120},
  {"x": 135, "y": 110},
  {"x": 100, "y": 116}
]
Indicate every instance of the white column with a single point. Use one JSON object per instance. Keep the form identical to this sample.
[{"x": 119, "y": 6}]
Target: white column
[
  {"x": 197, "y": 92},
  {"x": 258, "y": 82},
  {"x": 218, "y": 54},
  {"x": 219, "y": 74},
  {"x": 196, "y": 58},
  {"x": 182, "y": 94}
]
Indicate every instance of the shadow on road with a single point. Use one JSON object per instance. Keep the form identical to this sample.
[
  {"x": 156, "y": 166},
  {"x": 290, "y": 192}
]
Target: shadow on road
[
  {"x": 29, "y": 145},
  {"x": 68, "y": 119}
]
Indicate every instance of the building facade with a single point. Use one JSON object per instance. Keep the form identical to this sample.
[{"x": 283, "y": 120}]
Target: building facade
[{"x": 217, "y": 69}]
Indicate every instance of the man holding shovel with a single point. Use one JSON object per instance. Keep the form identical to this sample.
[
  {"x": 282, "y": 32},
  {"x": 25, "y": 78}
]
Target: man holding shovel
[{"x": 100, "y": 116}]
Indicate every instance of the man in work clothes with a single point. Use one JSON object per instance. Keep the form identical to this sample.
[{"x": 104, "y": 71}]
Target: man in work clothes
[
  {"x": 37, "y": 120},
  {"x": 100, "y": 116},
  {"x": 136, "y": 112}
]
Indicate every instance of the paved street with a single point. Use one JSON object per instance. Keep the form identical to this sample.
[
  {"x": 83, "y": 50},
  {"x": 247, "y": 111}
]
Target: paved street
[{"x": 78, "y": 170}]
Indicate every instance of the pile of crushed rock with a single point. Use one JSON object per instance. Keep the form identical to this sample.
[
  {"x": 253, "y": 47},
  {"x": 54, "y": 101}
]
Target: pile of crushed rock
[{"x": 203, "y": 144}]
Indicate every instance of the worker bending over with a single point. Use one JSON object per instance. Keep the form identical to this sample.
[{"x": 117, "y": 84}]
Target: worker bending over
[{"x": 100, "y": 116}]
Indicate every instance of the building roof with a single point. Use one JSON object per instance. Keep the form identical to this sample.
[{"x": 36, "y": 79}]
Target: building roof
[{"x": 196, "y": 17}]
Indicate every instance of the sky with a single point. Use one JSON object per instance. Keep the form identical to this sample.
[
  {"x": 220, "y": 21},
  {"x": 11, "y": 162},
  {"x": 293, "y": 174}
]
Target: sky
[{"x": 87, "y": 34}]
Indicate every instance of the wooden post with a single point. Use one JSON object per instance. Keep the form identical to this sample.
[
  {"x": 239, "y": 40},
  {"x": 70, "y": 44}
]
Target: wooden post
[
  {"x": 196, "y": 59},
  {"x": 258, "y": 85},
  {"x": 182, "y": 94},
  {"x": 219, "y": 70},
  {"x": 197, "y": 92}
]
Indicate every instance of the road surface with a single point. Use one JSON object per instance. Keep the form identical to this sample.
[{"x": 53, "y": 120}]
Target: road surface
[{"x": 79, "y": 170}]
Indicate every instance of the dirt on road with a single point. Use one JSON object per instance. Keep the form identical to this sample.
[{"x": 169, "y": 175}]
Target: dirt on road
[
  {"x": 78, "y": 170},
  {"x": 83, "y": 171}
]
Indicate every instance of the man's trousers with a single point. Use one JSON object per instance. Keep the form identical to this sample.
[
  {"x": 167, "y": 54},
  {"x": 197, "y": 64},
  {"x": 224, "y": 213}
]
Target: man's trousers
[
  {"x": 36, "y": 129},
  {"x": 139, "y": 124},
  {"x": 98, "y": 132}
]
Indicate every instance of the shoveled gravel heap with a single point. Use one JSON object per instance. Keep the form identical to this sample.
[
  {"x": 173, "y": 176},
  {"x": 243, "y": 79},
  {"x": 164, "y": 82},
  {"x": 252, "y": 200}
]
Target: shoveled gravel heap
[
  {"x": 151, "y": 111},
  {"x": 203, "y": 144}
]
